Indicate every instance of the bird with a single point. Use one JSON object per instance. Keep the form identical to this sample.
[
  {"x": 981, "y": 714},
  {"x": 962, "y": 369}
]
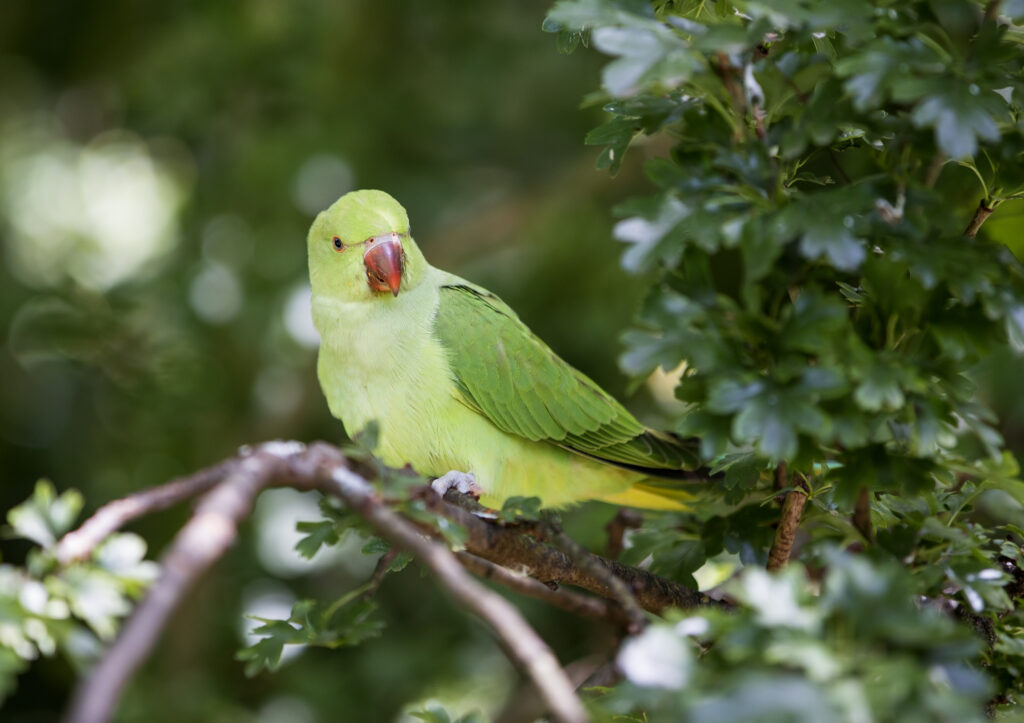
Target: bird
[{"x": 458, "y": 385}]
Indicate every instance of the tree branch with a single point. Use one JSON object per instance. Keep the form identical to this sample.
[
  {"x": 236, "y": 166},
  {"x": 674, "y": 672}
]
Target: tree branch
[
  {"x": 931, "y": 175},
  {"x": 625, "y": 519},
  {"x": 109, "y": 518},
  {"x": 862, "y": 515},
  {"x": 509, "y": 547},
  {"x": 214, "y": 527},
  {"x": 785, "y": 533},
  {"x": 593, "y": 565},
  {"x": 583, "y": 605},
  {"x": 981, "y": 215},
  {"x": 202, "y": 540}
]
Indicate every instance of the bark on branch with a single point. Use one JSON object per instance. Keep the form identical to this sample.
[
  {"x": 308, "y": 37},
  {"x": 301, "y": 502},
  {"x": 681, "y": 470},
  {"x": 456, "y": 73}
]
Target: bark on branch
[
  {"x": 507, "y": 546},
  {"x": 785, "y": 533},
  {"x": 981, "y": 214}
]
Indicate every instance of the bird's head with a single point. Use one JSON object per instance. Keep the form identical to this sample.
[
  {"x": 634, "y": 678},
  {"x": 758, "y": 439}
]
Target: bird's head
[{"x": 360, "y": 249}]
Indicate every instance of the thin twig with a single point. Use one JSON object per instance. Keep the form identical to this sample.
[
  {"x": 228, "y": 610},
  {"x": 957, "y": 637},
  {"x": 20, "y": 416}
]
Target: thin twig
[
  {"x": 785, "y": 533},
  {"x": 625, "y": 519},
  {"x": 780, "y": 477},
  {"x": 931, "y": 176},
  {"x": 380, "y": 571},
  {"x": 862, "y": 515},
  {"x": 981, "y": 215},
  {"x": 109, "y": 518}
]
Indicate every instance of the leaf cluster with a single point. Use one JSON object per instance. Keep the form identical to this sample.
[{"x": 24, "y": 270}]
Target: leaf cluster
[
  {"x": 823, "y": 290},
  {"x": 856, "y": 649},
  {"x": 47, "y": 608}
]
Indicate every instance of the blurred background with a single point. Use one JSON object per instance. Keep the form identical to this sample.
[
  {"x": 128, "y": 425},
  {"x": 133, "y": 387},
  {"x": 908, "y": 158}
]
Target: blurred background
[{"x": 160, "y": 164}]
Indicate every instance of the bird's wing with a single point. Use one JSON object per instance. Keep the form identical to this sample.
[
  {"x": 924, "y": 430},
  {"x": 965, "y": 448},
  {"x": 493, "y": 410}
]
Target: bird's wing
[{"x": 506, "y": 373}]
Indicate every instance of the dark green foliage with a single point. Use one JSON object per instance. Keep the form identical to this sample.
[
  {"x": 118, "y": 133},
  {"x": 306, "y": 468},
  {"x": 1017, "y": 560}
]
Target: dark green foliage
[{"x": 818, "y": 167}]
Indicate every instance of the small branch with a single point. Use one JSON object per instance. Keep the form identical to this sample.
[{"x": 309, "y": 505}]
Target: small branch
[
  {"x": 862, "y": 515},
  {"x": 583, "y": 605},
  {"x": 594, "y": 566},
  {"x": 931, "y": 176},
  {"x": 785, "y": 533},
  {"x": 380, "y": 571},
  {"x": 759, "y": 129},
  {"x": 507, "y": 546},
  {"x": 525, "y": 647},
  {"x": 780, "y": 477},
  {"x": 981, "y": 215},
  {"x": 111, "y": 517},
  {"x": 625, "y": 519},
  {"x": 205, "y": 537},
  {"x": 214, "y": 527}
]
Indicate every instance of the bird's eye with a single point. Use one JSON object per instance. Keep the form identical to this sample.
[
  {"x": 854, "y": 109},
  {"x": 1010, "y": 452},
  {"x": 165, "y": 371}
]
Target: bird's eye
[{"x": 338, "y": 244}]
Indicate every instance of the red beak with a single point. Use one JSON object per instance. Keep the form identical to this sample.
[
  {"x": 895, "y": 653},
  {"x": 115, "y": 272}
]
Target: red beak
[{"x": 384, "y": 262}]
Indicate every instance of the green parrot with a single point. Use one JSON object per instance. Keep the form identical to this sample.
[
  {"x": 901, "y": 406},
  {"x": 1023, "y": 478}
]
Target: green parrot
[{"x": 461, "y": 389}]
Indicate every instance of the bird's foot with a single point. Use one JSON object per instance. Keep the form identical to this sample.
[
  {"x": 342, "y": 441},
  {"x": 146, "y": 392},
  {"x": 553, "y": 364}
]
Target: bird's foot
[{"x": 463, "y": 482}]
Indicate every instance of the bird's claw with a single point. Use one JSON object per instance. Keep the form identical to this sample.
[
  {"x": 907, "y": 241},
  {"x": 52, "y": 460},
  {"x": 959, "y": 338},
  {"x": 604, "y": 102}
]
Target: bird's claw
[{"x": 463, "y": 482}]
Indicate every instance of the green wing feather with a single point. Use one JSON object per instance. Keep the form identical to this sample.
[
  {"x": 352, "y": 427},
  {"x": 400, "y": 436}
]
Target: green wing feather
[{"x": 510, "y": 376}]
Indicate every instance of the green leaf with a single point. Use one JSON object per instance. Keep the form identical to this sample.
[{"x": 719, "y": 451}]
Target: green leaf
[
  {"x": 317, "y": 534},
  {"x": 773, "y": 420},
  {"x": 616, "y": 134},
  {"x": 880, "y": 389},
  {"x": 961, "y": 116},
  {"x": 731, "y": 395},
  {"x": 844, "y": 250},
  {"x": 648, "y": 54},
  {"x": 265, "y": 654},
  {"x": 368, "y": 438},
  {"x": 45, "y": 516},
  {"x": 645, "y": 233},
  {"x": 680, "y": 561},
  {"x": 813, "y": 322},
  {"x": 521, "y": 508},
  {"x": 95, "y": 597}
]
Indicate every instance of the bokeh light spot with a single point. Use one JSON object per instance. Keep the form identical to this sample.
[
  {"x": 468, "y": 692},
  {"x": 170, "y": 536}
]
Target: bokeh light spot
[
  {"x": 320, "y": 181},
  {"x": 99, "y": 214},
  {"x": 298, "y": 316},
  {"x": 216, "y": 294}
]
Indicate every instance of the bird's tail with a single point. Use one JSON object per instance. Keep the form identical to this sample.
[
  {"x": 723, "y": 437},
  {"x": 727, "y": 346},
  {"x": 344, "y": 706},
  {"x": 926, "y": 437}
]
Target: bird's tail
[{"x": 651, "y": 497}]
